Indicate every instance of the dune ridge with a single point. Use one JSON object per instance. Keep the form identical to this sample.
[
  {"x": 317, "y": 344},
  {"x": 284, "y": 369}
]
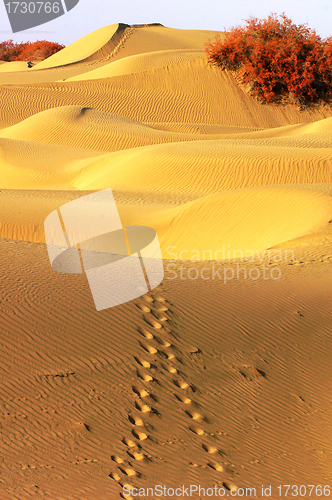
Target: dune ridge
[{"x": 90, "y": 47}]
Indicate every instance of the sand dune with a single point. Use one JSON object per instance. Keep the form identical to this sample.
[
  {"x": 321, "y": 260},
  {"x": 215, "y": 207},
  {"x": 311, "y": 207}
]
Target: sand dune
[
  {"x": 226, "y": 392},
  {"x": 201, "y": 167},
  {"x": 188, "y": 92},
  {"x": 220, "y": 375},
  {"x": 207, "y": 166},
  {"x": 9, "y": 67},
  {"x": 40, "y": 165},
  {"x": 242, "y": 221},
  {"x": 89, "y": 128},
  {"x": 140, "y": 62},
  {"x": 324, "y": 125},
  {"x": 80, "y": 50},
  {"x": 153, "y": 38},
  {"x": 245, "y": 220}
]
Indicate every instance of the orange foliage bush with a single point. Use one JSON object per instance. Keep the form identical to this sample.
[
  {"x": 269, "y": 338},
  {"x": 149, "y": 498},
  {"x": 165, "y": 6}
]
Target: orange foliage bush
[
  {"x": 277, "y": 58},
  {"x": 10, "y": 51}
]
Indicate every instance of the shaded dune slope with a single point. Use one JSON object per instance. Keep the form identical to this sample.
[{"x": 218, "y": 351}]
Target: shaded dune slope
[{"x": 227, "y": 391}]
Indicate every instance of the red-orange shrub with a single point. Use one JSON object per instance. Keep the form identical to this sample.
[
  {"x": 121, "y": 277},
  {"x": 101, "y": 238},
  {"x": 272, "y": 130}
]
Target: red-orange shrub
[
  {"x": 10, "y": 51},
  {"x": 39, "y": 50},
  {"x": 277, "y": 58}
]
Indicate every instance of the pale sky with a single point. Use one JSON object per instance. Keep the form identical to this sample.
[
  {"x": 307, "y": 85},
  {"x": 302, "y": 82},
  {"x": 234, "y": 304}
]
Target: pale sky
[{"x": 90, "y": 15}]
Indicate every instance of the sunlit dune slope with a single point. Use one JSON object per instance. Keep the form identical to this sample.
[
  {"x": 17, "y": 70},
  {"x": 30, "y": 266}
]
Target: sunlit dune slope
[
  {"x": 190, "y": 163},
  {"x": 188, "y": 92},
  {"x": 13, "y": 66},
  {"x": 221, "y": 374},
  {"x": 140, "y": 62},
  {"x": 141, "y": 39},
  {"x": 246, "y": 221},
  {"x": 320, "y": 126},
  {"x": 86, "y": 127},
  {"x": 151, "y": 38},
  {"x": 207, "y": 166},
  {"x": 40, "y": 166},
  {"x": 80, "y": 50},
  {"x": 89, "y": 128},
  {"x": 108, "y": 45},
  {"x": 154, "y": 117}
]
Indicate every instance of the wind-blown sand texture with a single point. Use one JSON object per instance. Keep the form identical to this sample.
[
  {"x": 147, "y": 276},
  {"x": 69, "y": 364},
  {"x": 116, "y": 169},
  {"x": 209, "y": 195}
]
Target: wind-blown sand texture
[{"x": 210, "y": 381}]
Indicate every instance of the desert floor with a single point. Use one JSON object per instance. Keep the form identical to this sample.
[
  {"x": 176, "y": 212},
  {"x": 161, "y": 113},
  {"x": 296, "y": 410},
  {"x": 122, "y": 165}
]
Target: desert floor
[{"x": 219, "y": 376}]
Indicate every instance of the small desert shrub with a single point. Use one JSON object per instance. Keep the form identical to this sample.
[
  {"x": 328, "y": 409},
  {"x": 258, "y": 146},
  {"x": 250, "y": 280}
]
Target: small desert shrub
[
  {"x": 277, "y": 59},
  {"x": 10, "y": 51}
]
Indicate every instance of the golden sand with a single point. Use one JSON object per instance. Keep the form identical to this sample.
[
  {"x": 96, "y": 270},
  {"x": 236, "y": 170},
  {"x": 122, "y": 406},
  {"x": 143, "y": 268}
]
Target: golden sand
[{"x": 210, "y": 378}]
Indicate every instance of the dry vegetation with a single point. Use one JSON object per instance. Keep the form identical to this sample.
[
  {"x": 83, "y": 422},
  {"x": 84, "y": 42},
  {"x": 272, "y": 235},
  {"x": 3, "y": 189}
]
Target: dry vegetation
[
  {"x": 28, "y": 51},
  {"x": 277, "y": 58}
]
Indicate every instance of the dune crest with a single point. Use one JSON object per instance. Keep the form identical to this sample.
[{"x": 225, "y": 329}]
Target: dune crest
[{"x": 82, "y": 49}]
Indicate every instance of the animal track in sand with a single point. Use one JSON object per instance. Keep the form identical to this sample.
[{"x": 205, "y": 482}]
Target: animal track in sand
[
  {"x": 195, "y": 415},
  {"x": 160, "y": 316},
  {"x": 170, "y": 355},
  {"x": 163, "y": 342},
  {"x": 139, "y": 434},
  {"x": 170, "y": 368},
  {"x": 115, "y": 476},
  {"x": 140, "y": 391},
  {"x": 147, "y": 298},
  {"x": 209, "y": 449},
  {"x": 153, "y": 314},
  {"x": 143, "y": 307},
  {"x": 216, "y": 466},
  {"x": 197, "y": 430},
  {"x": 129, "y": 443},
  {"x": 184, "y": 399},
  {"x": 160, "y": 307},
  {"x": 42, "y": 466},
  {"x": 151, "y": 320},
  {"x": 137, "y": 455},
  {"x": 190, "y": 349},
  {"x": 251, "y": 372},
  {"x": 182, "y": 384},
  {"x": 144, "y": 376},
  {"x": 143, "y": 407},
  {"x": 135, "y": 420},
  {"x": 142, "y": 362},
  {"x": 128, "y": 471},
  {"x": 145, "y": 332},
  {"x": 159, "y": 298},
  {"x": 229, "y": 486},
  {"x": 148, "y": 348},
  {"x": 127, "y": 497}
]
